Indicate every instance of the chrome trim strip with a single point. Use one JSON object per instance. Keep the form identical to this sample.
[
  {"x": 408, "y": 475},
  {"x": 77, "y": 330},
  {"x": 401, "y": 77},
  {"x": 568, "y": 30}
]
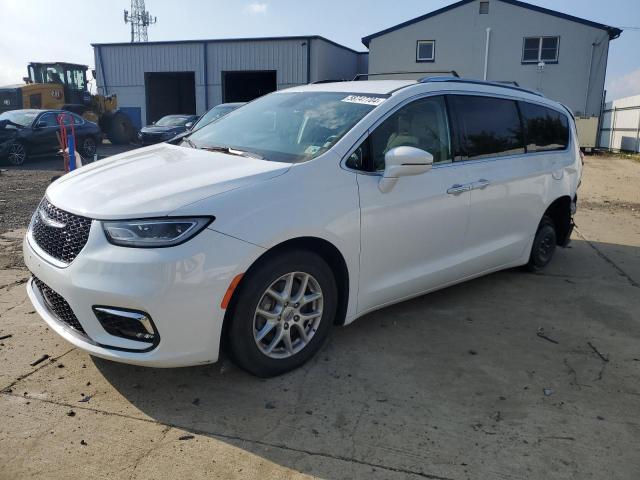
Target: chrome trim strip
[{"x": 143, "y": 319}]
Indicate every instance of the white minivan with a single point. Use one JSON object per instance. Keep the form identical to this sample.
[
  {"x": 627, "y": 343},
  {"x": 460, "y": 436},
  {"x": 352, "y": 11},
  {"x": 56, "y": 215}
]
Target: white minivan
[{"x": 304, "y": 209}]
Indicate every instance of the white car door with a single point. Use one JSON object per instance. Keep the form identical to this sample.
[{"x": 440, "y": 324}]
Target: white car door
[
  {"x": 413, "y": 236},
  {"x": 505, "y": 188}
]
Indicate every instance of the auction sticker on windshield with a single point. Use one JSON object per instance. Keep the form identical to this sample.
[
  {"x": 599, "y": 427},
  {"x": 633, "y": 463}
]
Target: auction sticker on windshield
[{"x": 364, "y": 100}]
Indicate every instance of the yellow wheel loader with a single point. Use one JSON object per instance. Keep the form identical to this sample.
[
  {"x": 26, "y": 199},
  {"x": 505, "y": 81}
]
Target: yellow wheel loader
[{"x": 63, "y": 86}]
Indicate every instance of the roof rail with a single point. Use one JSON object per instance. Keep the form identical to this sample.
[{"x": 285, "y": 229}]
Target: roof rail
[
  {"x": 479, "y": 82},
  {"x": 365, "y": 76}
]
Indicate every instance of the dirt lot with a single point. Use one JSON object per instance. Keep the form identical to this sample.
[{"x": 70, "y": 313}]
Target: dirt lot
[{"x": 452, "y": 385}]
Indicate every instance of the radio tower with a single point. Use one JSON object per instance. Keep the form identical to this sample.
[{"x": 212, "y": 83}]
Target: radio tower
[{"x": 140, "y": 19}]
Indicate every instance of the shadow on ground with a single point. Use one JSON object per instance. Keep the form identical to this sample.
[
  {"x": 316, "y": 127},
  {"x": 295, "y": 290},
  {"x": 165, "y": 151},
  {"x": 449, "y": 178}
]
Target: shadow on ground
[{"x": 453, "y": 384}]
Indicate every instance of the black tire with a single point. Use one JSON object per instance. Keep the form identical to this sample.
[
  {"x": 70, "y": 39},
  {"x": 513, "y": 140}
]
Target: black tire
[
  {"x": 544, "y": 245},
  {"x": 17, "y": 154},
  {"x": 88, "y": 148},
  {"x": 241, "y": 342},
  {"x": 120, "y": 129}
]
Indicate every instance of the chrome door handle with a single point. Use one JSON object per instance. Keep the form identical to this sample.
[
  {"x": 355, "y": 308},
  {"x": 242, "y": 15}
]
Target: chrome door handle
[
  {"x": 457, "y": 189},
  {"x": 480, "y": 184}
]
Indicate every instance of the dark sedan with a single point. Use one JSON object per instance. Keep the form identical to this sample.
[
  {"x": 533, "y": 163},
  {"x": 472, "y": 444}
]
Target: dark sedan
[
  {"x": 24, "y": 133},
  {"x": 166, "y": 128},
  {"x": 212, "y": 115}
]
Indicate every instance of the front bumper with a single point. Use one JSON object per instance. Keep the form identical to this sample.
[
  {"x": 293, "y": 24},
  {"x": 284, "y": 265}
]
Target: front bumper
[
  {"x": 180, "y": 287},
  {"x": 4, "y": 146}
]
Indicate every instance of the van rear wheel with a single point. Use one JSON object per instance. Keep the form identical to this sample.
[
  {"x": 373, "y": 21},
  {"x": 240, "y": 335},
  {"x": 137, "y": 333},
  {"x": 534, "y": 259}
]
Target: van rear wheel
[
  {"x": 544, "y": 245},
  {"x": 282, "y": 313}
]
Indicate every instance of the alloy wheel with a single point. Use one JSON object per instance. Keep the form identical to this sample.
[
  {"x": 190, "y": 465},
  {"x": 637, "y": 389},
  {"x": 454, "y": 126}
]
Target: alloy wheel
[
  {"x": 17, "y": 154},
  {"x": 288, "y": 315}
]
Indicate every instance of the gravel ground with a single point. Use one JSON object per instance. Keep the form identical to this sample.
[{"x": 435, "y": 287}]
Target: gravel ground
[{"x": 21, "y": 189}]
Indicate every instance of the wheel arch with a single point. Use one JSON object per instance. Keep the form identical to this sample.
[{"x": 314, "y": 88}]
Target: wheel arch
[
  {"x": 330, "y": 254},
  {"x": 560, "y": 213}
]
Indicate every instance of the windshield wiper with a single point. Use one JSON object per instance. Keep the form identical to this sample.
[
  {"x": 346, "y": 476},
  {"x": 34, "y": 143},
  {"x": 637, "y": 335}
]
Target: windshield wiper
[
  {"x": 189, "y": 142},
  {"x": 233, "y": 151}
]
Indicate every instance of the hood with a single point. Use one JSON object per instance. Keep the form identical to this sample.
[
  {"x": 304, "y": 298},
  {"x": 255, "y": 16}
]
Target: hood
[
  {"x": 155, "y": 181},
  {"x": 160, "y": 129}
]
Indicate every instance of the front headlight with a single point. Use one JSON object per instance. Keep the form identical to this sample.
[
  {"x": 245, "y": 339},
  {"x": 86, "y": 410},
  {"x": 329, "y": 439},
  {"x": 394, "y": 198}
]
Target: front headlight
[{"x": 154, "y": 233}]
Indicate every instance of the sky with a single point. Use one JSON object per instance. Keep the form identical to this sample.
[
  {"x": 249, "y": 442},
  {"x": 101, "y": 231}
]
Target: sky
[{"x": 45, "y": 30}]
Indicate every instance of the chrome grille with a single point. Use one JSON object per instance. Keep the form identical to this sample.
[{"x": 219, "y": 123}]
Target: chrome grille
[
  {"x": 60, "y": 234},
  {"x": 58, "y": 306}
]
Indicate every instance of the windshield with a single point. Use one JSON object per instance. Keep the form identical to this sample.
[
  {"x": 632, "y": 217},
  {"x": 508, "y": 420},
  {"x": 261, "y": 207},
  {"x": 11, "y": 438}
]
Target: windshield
[
  {"x": 173, "y": 121},
  {"x": 214, "y": 114},
  {"x": 287, "y": 127},
  {"x": 21, "y": 117}
]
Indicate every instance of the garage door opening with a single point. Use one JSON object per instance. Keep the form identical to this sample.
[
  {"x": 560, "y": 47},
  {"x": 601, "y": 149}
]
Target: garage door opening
[
  {"x": 169, "y": 93},
  {"x": 245, "y": 86}
]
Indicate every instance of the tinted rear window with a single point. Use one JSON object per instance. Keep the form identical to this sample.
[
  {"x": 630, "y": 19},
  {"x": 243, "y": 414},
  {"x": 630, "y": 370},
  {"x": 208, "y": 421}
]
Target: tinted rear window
[
  {"x": 489, "y": 127},
  {"x": 545, "y": 129}
]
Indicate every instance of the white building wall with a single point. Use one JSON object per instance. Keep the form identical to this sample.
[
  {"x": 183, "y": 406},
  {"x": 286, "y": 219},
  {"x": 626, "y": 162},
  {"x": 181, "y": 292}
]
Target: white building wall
[
  {"x": 620, "y": 125},
  {"x": 460, "y": 36}
]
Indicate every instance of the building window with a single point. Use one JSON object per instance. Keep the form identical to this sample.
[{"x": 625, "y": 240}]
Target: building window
[
  {"x": 540, "y": 49},
  {"x": 484, "y": 8},
  {"x": 426, "y": 51}
]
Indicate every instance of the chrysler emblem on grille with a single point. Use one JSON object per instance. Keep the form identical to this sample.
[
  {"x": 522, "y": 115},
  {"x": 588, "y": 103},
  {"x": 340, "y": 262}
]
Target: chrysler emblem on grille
[{"x": 50, "y": 222}]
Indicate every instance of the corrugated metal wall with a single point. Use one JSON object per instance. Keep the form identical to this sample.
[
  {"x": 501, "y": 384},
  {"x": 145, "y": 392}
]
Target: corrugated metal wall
[
  {"x": 620, "y": 126},
  {"x": 287, "y": 57},
  {"x": 332, "y": 62},
  {"x": 121, "y": 68}
]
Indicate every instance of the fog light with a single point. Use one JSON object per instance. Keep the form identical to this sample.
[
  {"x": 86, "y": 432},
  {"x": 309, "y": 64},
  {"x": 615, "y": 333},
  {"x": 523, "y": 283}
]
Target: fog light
[{"x": 129, "y": 324}]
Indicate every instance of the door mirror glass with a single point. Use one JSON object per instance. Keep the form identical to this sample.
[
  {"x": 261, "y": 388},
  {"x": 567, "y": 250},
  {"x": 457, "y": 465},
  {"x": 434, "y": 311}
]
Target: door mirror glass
[{"x": 403, "y": 162}]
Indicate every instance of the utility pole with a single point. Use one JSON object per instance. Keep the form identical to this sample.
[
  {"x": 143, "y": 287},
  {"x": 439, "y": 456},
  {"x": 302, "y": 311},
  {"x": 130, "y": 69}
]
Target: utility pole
[{"x": 140, "y": 19}]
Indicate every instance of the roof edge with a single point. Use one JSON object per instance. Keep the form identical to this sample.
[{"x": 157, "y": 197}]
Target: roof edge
[
  {"x": 225, "y": 40},
  {"x": 613, "y": 32}
]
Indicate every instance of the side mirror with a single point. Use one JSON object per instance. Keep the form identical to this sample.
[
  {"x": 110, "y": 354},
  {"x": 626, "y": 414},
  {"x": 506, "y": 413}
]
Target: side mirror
[
  {"x": 188, "y": 125},
  {"x": 403, "y": 162}
]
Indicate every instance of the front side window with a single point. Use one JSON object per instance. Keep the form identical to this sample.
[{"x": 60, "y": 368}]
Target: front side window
[
  {"x": 174, "y": 121},
  {"x": 212, "y": 115},
  {"x": 426, "y": 51},
  {"x": 48, "y": 120},
  {"x": 75, "y": 79},
  {"x": 489, "y": 127},
  {"x": 287, "y": 127},
  {"x": 422, "y": 124},
  {"x": 545, "y": 129},
  {"x": 540, "y": 49}
]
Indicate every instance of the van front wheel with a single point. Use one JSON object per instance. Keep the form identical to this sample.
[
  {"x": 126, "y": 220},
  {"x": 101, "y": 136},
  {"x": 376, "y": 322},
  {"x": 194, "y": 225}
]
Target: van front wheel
[
  {"x": 544, "y": 245},
  {"x": 283, "y": 313}
]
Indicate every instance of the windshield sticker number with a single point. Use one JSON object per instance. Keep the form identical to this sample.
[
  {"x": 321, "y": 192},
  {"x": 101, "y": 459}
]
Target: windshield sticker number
[
  {"x": 312, "y": 150},
  {"x": 364, "y": 100}
]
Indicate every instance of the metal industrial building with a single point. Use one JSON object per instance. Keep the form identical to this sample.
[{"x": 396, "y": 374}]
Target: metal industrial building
[{"x": 159, "y": 78}]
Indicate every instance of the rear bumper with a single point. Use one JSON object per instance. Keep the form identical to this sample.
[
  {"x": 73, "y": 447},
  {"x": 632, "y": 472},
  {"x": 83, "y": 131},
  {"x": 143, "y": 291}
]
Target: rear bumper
[{"x": 181, "y": 288}]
